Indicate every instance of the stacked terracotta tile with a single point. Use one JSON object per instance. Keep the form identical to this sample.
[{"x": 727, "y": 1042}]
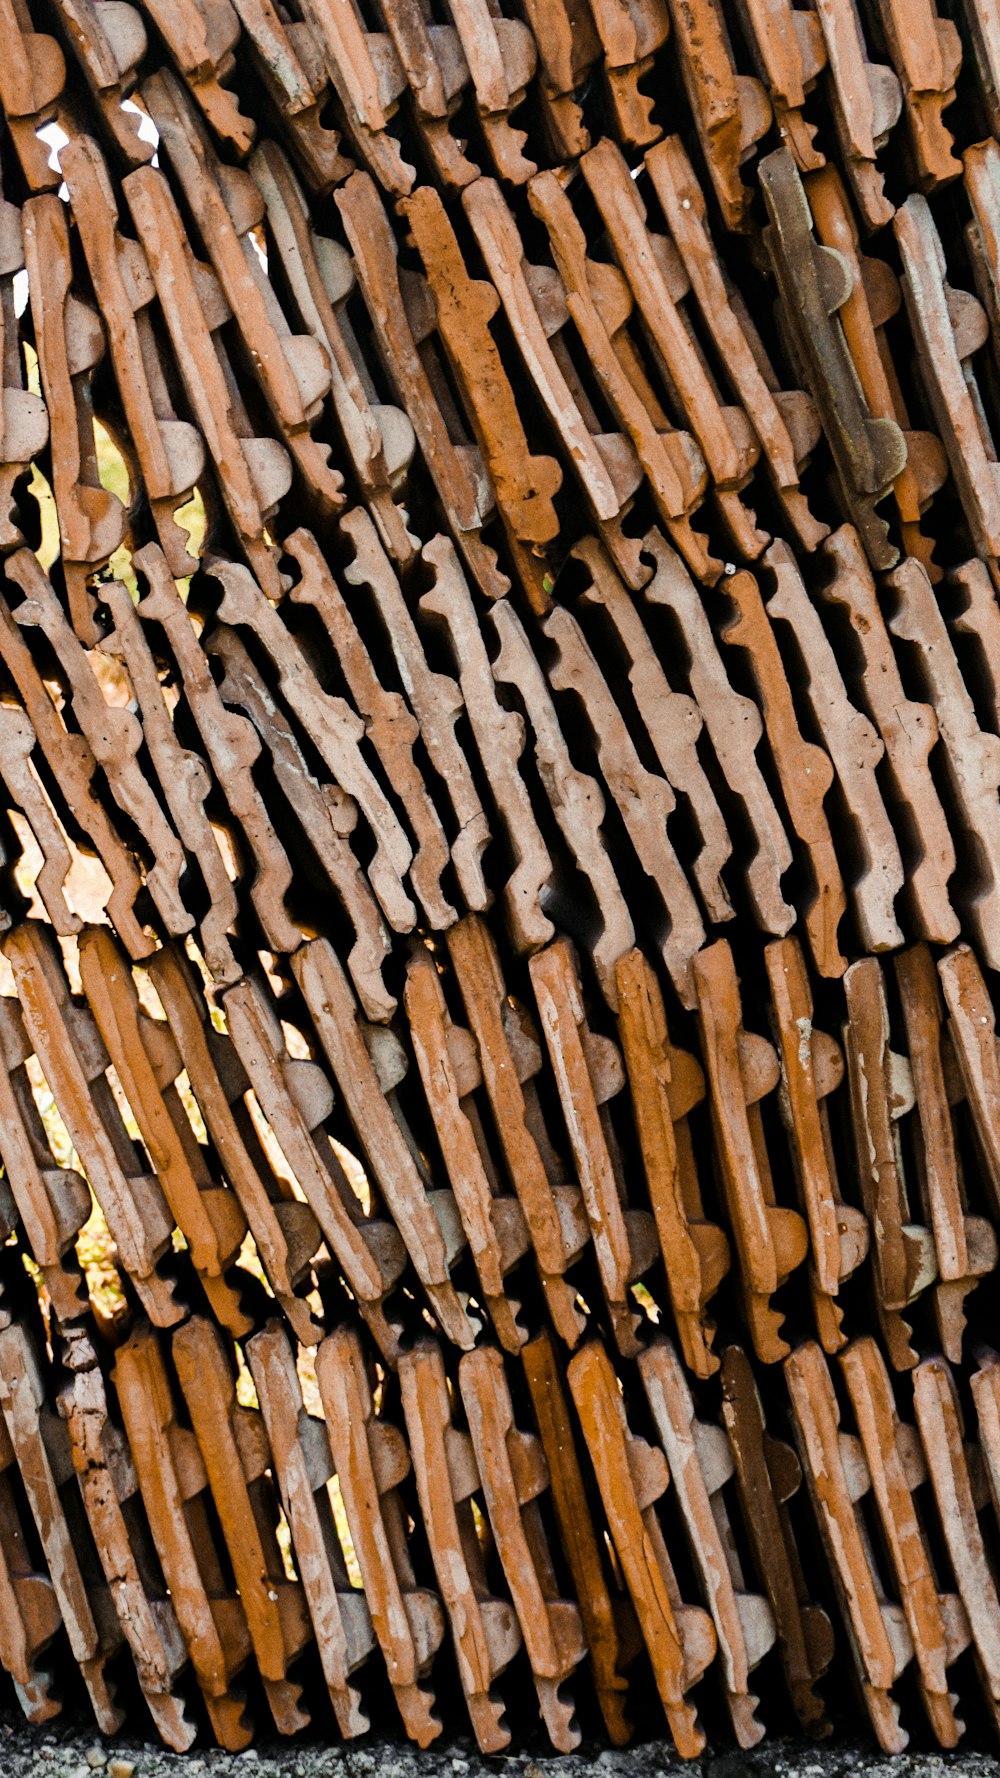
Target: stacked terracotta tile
[{"x": 500, "y": 744}]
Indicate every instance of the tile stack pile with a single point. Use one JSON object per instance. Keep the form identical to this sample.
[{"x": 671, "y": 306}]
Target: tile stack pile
[{"x": 500, "y": 746}]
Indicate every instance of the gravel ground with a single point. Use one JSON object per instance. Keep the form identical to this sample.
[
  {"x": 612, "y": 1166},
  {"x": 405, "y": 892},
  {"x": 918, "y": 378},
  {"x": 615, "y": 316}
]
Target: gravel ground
[{"x": 66, "y": 1753}]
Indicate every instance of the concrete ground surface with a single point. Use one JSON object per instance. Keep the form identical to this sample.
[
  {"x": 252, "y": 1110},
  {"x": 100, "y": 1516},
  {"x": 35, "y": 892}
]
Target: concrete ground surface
[{"x": 55, "y": 1752}]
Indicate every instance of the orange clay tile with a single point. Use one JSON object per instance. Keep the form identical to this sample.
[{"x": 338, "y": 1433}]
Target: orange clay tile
[
  {"x": 936, "y": 1619},
  {"x": 368, "y": 1063},
  {"x": 108, "y": 1486},
  {"x": 114, "y": 736},
  {"x": 24, "y": 422},
  {"x": 812, "y": 1070},
  {"x": 767, "y": 1474},
  {"x": 837, "y": 1478},
  {"x": 170, "y": 452},
  {"x": 31, "y": 86},
  {"x": 147, "y": 1063},
  {"x": 904, "y": 1259},
  {"x": 448, "y": 1064},
  {"x": 295, "y": 1096},
  {"x": 589, "y": 1073},
  {"x": 39, "y": 1444},
  {"x": 611, "y": 1629},
  {"x": 701, "y": 1463},
  {"x": 500, "y": 737},
  {"x": 434, "y": 697},
  {"x": 73, "y": 1058},
  {"x": 253, "y": 472},
  {"x": 949, "y": 327},
  {"x": 734, "y": 727},
  {"x": 403, "y": 318},
  {"x": 69, "y": 340},
  {"x": 233, "y": 1443},
  {"x": 672, "y": 720},
  {"x": 970, "y": 755},
  {"x": 632, "y": 1475},
  {"x": 371, "y": 1460},
  {"x": 514, "y": 1475},
  {"x": 202, "y": 36},
  {"x": 302, "y": 1469},
  {"x": 378, "y": 436},
  {"x": 909, "y": 731},
  {"x": 575, "y": 797},
  {"x": 957, "y": 1483},
  {"x": 666, "y": 1084},
  {"x": 866, "y": 101},
  {"x": 645, "y": 800},
  {"x": 333, "y": 723},
  {"x": 805, "y": 771},
  {"x": 285, "y": 1230},
  {"x": 484, "y": 1627},
  {"x": 730, "y": 111},
  {"x": 52, "y": 1202},
  {"x": 174, "y": 1484},
  {"x": 966, "y": 1245},
  {"x": 855, "y": 748},
  {"x": 510, "y": 1056},
  {"x": 326, "y": 817},
  {"x": 741, "y": 1068},
  {"x": 230, "y": 742}
]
